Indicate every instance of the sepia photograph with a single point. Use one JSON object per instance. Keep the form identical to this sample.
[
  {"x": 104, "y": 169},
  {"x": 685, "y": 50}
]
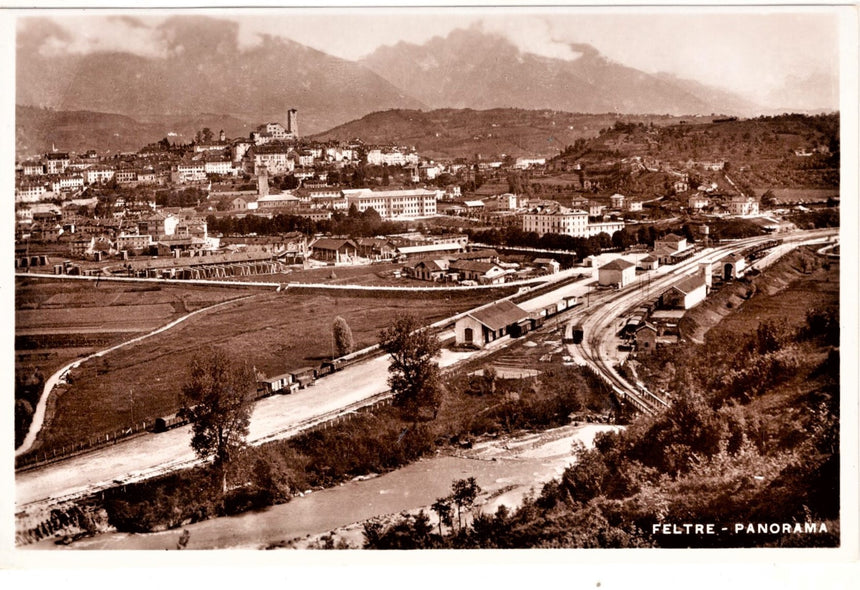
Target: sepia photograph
[{"x": 480, "y": 278}]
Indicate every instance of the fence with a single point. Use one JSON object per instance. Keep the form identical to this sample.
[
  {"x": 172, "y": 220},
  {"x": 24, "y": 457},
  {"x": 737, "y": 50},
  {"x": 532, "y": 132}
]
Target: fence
[{"x": 39, "y": 458}]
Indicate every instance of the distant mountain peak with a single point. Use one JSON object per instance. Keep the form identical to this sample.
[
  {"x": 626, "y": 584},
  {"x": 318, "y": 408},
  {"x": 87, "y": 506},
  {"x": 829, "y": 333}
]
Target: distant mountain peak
[{"x": 482, "y": 69}]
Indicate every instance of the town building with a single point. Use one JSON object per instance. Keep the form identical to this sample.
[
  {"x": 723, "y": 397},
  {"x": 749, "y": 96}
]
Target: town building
[
  {"x": 743, "y": 206},
  {"x": 616, "y": 201},
  {"x": 276, "y": 157},
  {"x": 133, "y": 241},
  {"x": 334, "y": 249},
  {"x": 32, "y": 168},
  {"x": 29, "y": 192},
  {"x": 686, "y": 293},
  {"x": 395, "y": 203},
  {"x": 278, "y": 201},
  {"x": 671, "y": 242},
  {"x": 56, "y": 162},
  {"x": 555, "y": 219},
  {"x": 484, "y": 325},
  {"x": 618, "y": 272},
  {"x": 95, "y": 174}
]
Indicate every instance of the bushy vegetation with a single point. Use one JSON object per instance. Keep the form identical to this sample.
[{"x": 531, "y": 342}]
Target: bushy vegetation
[
  {"x": 731, "y": 456},
  {"x": 353, "y": 223},
  {"x": 752, "y": 437}
]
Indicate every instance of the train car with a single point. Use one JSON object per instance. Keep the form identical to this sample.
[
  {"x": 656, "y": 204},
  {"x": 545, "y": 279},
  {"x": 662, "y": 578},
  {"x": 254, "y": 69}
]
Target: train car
[
  {"x": 520, "y": 328},
  {"x": 272, "y": 385},
  {"x": 572, "y": 301},
  {"x": 305, "y": 376},
  {"x": 331, "y": 366},
  {"x": 166, "y": 423},
  {"x": 577, "y": 333}
]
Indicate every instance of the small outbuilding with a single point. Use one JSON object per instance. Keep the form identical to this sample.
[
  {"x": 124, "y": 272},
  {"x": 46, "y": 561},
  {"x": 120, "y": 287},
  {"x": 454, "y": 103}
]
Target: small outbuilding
[
  {"x": 618, "y": 272},
  {"x": 686, "y": 293},
  {"x": 332, "y": 249},
  {"x": 646, "y": 338},
  {"x": 733, "y": 266},
  {"x": 482, "y": 326}
]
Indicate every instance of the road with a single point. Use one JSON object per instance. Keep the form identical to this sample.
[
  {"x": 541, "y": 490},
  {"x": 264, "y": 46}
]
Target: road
[
  {"x": 152, "y": 454},
  {"x": 280, "y": 416}
]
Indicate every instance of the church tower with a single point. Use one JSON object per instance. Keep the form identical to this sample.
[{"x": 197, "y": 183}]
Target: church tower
[{"x": 293, "y": 122}]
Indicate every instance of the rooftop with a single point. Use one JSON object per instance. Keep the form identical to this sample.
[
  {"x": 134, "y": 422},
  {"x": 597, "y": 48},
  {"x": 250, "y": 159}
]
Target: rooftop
[{"x": 499, "y": 315}]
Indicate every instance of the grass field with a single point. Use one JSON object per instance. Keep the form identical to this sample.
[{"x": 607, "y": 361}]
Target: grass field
[
  {"x": 274, "y": 332},
  {"x": 59, "y": 321}
]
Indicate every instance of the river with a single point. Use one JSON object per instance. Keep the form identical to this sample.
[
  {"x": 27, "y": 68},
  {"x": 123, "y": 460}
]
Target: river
[{"x": 506, "y": 469}]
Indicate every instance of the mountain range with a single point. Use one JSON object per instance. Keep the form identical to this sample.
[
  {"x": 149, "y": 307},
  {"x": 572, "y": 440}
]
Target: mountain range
[
  {"x": 205, "y": 70},
  {"x": 473, "y": 69}
]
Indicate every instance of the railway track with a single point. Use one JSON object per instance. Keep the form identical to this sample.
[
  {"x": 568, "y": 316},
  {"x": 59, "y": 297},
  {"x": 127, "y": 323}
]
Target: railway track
[{"x": 599, "y": 318}]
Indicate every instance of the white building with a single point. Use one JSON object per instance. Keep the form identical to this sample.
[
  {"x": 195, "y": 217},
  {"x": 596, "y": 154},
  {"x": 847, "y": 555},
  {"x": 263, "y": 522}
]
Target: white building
[
  {"x": 616, "y": 201},
  {"x": 604, "y": 227},
  {"x": 556, "y": 220},
  {"x": 617, "y": 272},
  {"x": 523, "y": 163},
  {"x": 29, "y": 193},
  {"x": 743, "y": 206},
  {"x": 192, "y": 171},
  {"x": 67, "y": 183},
  {"x": 95, "y": 174},
  {"x": 686, "y": 293},
  {"x": 276, "y": 158},
  {"x": 482, "y": 326},
  {"x": 671, "y": 243},
  {"x": 393, "y": 204},
  {"x": 219, "y": 166}
]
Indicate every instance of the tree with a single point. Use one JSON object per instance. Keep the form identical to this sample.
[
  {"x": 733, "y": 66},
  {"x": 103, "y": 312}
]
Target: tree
[
  {"x": 442, "y": 507},
  {"x": 217, "y": 400},
  {"x": 464, "y": 492},
  {"x": 413, "y": 376},
  {"x": 342, "y": 337}
]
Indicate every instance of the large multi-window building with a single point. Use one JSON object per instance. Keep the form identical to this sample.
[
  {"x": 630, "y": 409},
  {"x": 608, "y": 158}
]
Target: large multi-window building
[
  {"x": 393, "y": 204},
  {"x": 547, "y": 219},
  {"x": 555, "y": 219}
]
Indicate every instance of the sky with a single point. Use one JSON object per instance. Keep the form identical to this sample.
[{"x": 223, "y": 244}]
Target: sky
[{"x": 764, "y": 54}]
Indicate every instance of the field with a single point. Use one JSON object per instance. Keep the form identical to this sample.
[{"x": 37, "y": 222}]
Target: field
[
  {"x": 800, "y": 195},
  {"x": 59, "y": 321},
  {"x": 274, "y": 332}
]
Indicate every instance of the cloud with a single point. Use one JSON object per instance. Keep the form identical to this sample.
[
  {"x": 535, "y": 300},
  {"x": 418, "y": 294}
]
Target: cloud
[
  {"x": 533, "y": 34},
  {"x": 84, "y": 35}
]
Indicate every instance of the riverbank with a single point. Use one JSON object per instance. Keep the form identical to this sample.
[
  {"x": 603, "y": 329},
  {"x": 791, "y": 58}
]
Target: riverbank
[{"x": 506, "y": 468}]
